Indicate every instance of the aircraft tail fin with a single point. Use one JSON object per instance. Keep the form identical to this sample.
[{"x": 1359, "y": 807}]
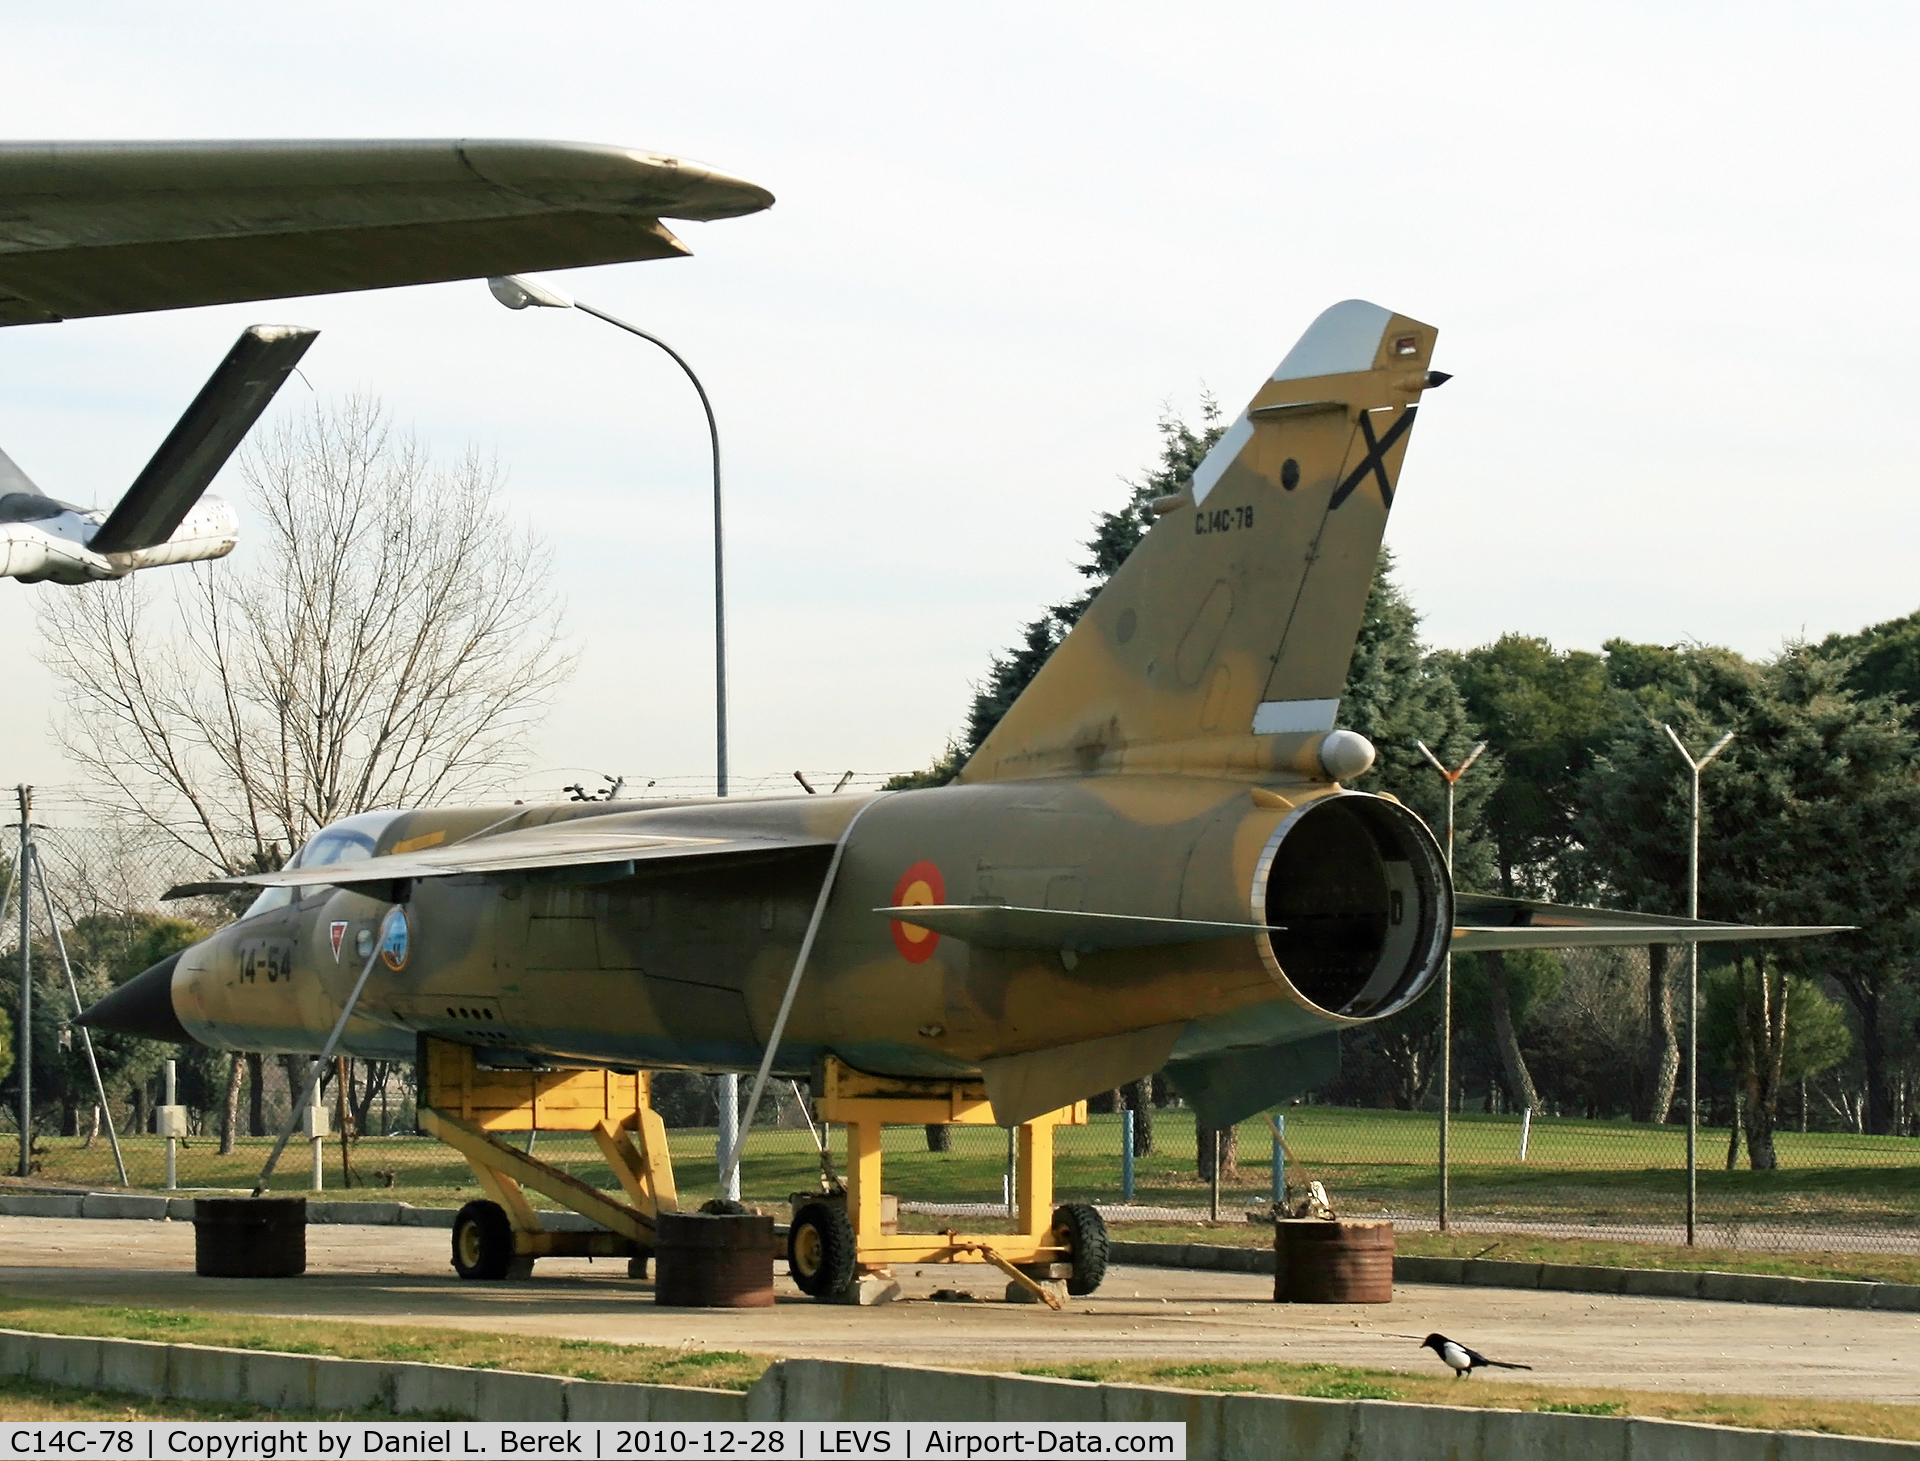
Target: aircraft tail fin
[
  {"x": 203, "y": 438},
  {"x": 1223, "y": 641}
]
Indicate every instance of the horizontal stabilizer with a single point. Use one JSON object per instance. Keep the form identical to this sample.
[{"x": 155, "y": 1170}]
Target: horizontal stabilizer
[
  {"x": 1487, "y": 922},
  {"x": 992, "y": 926},
  {"x": 202, "y": 440}
]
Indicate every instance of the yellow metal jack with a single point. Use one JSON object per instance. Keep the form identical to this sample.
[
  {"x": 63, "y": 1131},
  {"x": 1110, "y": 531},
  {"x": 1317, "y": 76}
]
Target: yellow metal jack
[
  {"x": 835, "y": 1239},
  {"x": 465, "y": 1105}
]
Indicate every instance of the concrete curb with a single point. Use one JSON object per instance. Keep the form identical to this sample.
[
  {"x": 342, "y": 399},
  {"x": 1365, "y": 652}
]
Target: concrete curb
[
  {"x": 1653, "y": 1283},
  {"x": 1219, "y": 1427}
]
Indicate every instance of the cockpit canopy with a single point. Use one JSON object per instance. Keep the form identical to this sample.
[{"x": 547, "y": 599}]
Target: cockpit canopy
[
  {"x": 28, "y": 507},
  {"x": 351, "y": 839}
]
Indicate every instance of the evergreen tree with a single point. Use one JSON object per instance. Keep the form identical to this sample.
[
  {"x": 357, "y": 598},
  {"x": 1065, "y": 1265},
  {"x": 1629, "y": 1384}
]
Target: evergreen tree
[
  {"x": 1115, "y": 536},
  {"x": 1398, "y": 695}
]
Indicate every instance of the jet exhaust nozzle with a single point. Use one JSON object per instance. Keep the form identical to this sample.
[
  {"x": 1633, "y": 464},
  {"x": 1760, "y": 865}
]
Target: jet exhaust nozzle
[{"x": 142, "y": 1006}]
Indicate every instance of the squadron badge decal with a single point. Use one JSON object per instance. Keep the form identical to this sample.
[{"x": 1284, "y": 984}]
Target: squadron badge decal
[
  {"x": 336, "y": 933},
  {"x": 920, "y": 886},
  {"x": 395, "y": 941}
]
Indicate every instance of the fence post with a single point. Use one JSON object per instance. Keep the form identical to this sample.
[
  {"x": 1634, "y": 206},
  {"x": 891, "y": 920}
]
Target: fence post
[
  {"x": 167, "y": 1124},
  {"x": 1279, "y": 1161},
  {"x": 1213, "y": 1186},
  {"x": 1126, "y": 1155}
]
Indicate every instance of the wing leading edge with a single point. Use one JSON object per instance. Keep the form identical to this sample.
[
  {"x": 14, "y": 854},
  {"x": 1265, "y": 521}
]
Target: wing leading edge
[
  {"x": 1486, "y": 922},
  {"x": 102, "y": 228},
  {"x": 586, "y": 844}
]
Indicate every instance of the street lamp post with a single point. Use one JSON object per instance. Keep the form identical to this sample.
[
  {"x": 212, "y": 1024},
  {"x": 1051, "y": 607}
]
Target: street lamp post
[
  {"x": 1693, "y": 975},
  {"x": 1452, "y": 779},
  {"x": 516, "y": 291}
]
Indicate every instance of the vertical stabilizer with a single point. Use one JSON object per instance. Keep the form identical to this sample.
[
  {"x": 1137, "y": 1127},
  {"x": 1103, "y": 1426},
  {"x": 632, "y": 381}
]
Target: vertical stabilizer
[
  {"x": 12, "y": 479},
  {"x": 1223, "y": 641}
]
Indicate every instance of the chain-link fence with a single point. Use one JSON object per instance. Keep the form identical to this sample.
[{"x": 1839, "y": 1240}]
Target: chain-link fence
[{"x": 1599, "y": 1036}]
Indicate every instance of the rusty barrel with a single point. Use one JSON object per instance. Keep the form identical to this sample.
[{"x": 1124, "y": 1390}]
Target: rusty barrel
[
  {"x": 713, "y": 1260},
  {"x": 250, "y": 1237},
  {"x": 1320, "y": 1262}
]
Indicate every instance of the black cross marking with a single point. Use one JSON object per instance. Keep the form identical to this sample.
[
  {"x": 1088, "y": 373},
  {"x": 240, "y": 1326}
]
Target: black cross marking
[{"x": 1375, "y": 461}]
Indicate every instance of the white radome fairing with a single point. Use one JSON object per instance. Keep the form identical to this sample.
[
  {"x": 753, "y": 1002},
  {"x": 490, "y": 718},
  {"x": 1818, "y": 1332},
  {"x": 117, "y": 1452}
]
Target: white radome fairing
[{"x": 55, "y": 547}]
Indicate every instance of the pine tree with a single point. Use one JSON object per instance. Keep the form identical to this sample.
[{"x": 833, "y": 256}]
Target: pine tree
[{"x": 1115, "y": 536}]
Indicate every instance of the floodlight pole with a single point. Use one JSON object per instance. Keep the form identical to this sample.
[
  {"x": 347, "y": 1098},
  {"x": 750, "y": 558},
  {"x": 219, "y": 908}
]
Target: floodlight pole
[
  {"x": 1693, "y": 975},
  {"x": 24, "y": 1059},
  {"x": 517, "y": 292},
  {"x": 1446, "y": 980}
]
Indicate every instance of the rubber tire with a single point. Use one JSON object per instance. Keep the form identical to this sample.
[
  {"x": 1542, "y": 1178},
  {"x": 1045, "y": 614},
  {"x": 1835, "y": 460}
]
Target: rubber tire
[
  {"x": 820, "y": 1250},
  {"x": 1085, "y": 1232},
  {"x": 483, "y": 1241}
]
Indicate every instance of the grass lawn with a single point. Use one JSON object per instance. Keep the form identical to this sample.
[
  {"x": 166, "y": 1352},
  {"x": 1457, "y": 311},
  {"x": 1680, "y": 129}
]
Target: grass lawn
[
  {"x": 1372, "y": 1162},
  {"x": 579, "y": 1358},
  {"x": 1522, "y": 1248},
  {"x": 1337, "y": 1382},
  {"x": 726, "y": 1370}
]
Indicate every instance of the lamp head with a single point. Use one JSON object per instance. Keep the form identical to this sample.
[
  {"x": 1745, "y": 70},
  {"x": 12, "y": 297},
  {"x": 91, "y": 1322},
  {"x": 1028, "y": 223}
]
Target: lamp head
[{"x": 516, "y": 291}]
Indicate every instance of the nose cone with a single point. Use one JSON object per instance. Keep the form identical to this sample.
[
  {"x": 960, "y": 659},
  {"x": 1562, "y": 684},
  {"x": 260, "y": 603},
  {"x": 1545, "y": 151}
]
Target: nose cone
[{"x": 142, "y": 1006}]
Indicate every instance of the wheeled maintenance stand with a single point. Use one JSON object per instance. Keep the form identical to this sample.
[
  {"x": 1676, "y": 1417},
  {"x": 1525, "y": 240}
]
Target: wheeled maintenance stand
[
  {"x": 838, "y": 1240},
  {"x": 466, "y": 1105},
  {"x": 838, "y": 1245}
]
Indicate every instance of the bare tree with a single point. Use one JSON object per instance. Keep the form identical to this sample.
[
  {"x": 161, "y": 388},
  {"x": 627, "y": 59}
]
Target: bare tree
[{"x": 384, "y": 637}]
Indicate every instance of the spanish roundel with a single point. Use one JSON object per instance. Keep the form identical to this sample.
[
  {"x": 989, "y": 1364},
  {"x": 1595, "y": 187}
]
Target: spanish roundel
[{"x": 919, "y": 886}]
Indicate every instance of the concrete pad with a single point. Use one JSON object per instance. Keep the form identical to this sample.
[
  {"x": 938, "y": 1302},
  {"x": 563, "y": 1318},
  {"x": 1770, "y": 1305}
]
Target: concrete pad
[
  {"x": 401, "y": 1275},
  {"x": 868, "y": 1290}
]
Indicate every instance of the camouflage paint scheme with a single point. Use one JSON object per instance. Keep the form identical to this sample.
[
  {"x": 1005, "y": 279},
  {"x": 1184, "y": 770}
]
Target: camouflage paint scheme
[{"x": 1149, "y": 863}]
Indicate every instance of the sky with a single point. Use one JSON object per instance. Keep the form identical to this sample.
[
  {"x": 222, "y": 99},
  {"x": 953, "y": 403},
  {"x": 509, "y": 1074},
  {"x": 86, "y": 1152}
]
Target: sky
[{"x": 1669, "y": 250}]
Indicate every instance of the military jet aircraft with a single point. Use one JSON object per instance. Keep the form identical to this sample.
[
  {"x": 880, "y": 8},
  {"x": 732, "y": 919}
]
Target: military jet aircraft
[
  {"x": 101, "y": 228},
  {"x": 1153, "y": 861}
]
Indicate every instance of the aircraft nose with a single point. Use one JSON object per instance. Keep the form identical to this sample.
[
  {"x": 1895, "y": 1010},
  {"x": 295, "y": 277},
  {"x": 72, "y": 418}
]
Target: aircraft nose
[{"x": 142, "y": 1006}]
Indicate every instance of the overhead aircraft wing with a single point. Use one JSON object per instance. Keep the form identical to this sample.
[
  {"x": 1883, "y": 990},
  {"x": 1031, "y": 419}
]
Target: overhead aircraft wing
[
  {"x": 101, "y": 228},
  {"x": 586, "y": 843},
  {"x": 202, "y": 440},
  {"x": 1484, "y": 921}
]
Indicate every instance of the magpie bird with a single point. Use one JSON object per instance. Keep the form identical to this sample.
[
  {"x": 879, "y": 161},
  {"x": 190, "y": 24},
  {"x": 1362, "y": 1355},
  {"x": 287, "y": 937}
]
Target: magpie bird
[{"x": 1461, "y": 1360}]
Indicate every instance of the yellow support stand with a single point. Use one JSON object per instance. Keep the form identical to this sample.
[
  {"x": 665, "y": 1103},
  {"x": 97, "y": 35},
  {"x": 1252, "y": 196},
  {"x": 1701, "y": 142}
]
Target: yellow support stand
[
  {"x": 865, "y": 1103},
  {"x": 465, "y": 1105}
]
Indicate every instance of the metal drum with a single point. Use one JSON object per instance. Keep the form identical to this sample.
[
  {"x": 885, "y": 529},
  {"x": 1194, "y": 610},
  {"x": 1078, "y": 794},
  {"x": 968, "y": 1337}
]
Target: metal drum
[
  {"x": 713, "y": 1261},
  {"x": 1320, "y": 1262},
  {"x": 250, "y": 1237}
]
